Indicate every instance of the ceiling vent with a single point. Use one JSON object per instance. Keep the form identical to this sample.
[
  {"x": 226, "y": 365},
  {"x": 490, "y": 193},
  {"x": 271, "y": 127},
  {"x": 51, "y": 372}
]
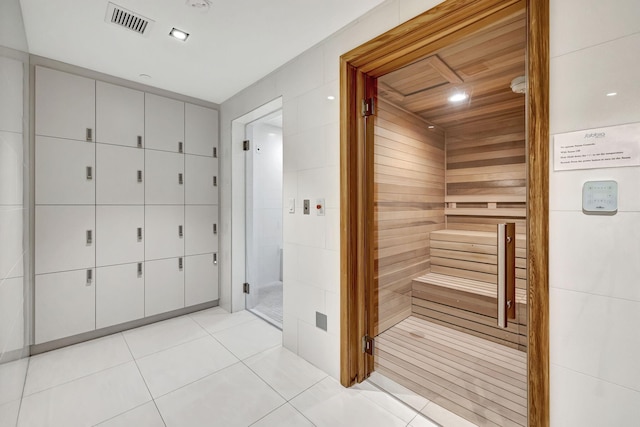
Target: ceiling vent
[{"x": 122, "y": 17}]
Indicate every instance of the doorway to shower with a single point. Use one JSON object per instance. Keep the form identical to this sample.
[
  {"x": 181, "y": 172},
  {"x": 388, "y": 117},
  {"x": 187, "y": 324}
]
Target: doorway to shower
[{"x": 263, "y": 217}]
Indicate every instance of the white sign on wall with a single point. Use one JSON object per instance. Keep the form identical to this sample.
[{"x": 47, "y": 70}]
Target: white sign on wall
[{"x": 610, "y": 147}]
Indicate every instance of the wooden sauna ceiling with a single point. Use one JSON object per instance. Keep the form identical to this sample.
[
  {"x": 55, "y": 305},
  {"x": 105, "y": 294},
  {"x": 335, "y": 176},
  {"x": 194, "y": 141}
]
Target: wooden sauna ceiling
[{"x": 482, "y": 65}]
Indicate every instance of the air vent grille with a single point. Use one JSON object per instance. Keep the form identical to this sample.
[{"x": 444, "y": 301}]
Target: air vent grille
[{"x": 130, "y": 20}]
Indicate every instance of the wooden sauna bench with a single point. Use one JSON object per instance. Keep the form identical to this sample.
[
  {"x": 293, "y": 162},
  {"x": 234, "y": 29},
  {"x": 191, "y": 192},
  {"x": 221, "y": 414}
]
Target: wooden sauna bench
[{"x": 461, "y": 292}]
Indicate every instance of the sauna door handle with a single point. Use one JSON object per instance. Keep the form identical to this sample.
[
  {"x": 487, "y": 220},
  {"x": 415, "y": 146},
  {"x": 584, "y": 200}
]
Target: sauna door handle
[{"x": 506, "y": 273}]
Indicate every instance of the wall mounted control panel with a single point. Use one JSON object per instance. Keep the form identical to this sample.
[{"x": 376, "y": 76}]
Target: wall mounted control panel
[{"x": 600, "y": 197}]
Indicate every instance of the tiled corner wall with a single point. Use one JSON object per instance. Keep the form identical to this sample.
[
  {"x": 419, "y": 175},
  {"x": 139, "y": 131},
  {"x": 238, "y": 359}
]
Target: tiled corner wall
[
  {"x": 594, "y": 260},
  {"x": 14, "y": 324},
  {"x": 311, "y": 170}
]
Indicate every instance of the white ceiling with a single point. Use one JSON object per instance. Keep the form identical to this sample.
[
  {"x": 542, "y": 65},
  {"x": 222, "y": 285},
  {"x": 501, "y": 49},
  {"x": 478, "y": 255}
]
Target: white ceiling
[{"x": 231, "y": 46}]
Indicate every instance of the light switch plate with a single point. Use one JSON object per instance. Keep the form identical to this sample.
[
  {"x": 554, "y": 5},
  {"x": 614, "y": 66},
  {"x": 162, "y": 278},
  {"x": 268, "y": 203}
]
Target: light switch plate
[
  {"x": 292, "y": 205},
  {"x": 600, "y": 197}
]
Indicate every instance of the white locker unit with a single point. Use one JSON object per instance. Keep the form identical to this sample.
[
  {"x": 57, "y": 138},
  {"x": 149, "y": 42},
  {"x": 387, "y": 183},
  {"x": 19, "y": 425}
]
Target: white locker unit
[
  {"x": 201, "y": 229},
  {"x": 165, "y": 232},
  {"x": 64, "y": 304},
  {"x": 165, "y": 178},
  {"x": 164, "y": 285},
  {"x": 120, "y": 175},
  {"x": 119, "y": 294},
  {"x": 121, "y": 231},
  {"x": 201, "y": 279},
  {"x": 201, "y": 186},
  {"x": 65, "y": 238},
  {"x": 65, "y": 172},
  {"x": 119, "y": 115},
  {"x": 164, "y": 123},
  {"x": 118, "y": 203},
  {"x": 200, "y": 130},
  {"x": 65, "y": 105}
]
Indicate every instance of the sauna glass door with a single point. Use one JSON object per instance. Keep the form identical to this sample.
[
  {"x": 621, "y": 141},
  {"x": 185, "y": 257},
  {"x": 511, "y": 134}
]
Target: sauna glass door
[{"x": 449, "y": 166}]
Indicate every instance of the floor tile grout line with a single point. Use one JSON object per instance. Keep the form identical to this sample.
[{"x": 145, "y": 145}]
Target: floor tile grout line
[
  {"x": 146, "y": 385},
  {"x": 402, "y": 402},
  {"x": 122, "y": 413},
  {"x": 381, "y": 388},
  {"x": 78, "y": 378}
]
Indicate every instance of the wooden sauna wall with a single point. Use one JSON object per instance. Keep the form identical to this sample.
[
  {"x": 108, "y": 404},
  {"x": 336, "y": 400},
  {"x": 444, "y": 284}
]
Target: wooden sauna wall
[
  {"x": 487, "y": 159},
  {"x": 408, "y": 204}
]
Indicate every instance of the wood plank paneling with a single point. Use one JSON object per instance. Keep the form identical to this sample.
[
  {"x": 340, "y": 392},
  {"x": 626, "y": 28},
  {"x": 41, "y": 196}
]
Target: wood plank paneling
[{"x": 408, "y": 205}]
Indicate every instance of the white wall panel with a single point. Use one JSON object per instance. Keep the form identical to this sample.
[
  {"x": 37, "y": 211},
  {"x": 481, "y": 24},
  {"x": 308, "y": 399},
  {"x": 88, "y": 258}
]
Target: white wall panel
[
  {"x": 119, "y": 294},
  {"x": 64, "y": 304},
  {"x": 65, "y": 104},
  {"x": 62, "y": 174},
  {"x": 119, "y": 115}
]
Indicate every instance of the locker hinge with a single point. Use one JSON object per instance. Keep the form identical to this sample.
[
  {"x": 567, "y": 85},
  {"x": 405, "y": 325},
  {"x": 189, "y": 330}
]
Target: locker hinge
[
  {"x": 246, "y": 144},
  {"x": 367, "y": 344},
  {"x": 367, "y": 107},
  {"x": 246, "y": 288}
]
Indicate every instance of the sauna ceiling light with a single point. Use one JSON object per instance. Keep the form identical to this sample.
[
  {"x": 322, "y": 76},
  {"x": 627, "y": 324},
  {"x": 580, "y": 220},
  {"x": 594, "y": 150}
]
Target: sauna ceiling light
[
  {"x": 179, "y": 34},
  {"x": 457, "y": 97},
  {"x": 612, "y": 93}
]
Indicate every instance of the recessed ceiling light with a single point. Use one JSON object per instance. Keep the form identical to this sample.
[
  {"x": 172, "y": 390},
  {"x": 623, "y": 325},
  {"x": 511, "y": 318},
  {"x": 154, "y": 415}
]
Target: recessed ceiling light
[
  {"x": 331, "y": 97},
  {"x": 179, "y": 34},
  {"x": 457, "y": 97},
  {"x": 144, "y": 76},
  {"x": 431, "y": 126},
  {"x": 612, "y": 93}
]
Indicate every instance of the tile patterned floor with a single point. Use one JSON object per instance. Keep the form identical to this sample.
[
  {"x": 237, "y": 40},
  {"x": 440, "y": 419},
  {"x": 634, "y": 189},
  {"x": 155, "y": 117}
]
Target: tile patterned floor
[{"x": 209, "y": 368}]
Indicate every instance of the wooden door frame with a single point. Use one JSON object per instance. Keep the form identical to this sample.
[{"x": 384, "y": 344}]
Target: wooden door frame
[{"x": 393, "y": 49}]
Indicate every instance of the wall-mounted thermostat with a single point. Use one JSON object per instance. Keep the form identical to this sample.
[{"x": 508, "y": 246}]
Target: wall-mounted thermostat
[{"x": 600, "y": 197}]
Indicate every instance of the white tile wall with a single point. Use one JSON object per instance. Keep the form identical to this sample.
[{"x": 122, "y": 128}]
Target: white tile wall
[
  {"x": 593, "y": 259},
  {"x": 311, "y": 170},
  {"x": 594, "y": 271},
  {"x": 12, "y": 212}
]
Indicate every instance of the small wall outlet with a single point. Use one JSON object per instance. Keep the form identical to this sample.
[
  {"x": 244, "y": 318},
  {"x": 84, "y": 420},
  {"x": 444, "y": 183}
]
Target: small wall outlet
[
  {"x": 305, "y": 206},
  {"x": 321, "y": 321}
]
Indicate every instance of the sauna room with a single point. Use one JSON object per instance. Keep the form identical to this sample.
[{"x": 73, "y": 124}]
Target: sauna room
[{"x": 449, "y": 167}]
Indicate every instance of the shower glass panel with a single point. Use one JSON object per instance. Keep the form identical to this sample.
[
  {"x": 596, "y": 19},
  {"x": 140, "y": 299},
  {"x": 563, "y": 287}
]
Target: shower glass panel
[{"x": 263, "y": 210}]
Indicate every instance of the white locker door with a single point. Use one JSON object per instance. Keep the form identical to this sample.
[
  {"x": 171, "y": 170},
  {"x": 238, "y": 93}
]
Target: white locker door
[
  {"x": 65, "y": 105},
  {"x": 165, "y": 178},
  {"x": 164, "y": 227},
  {"x": 65, "y": 238},
  {"x": 200, "y": 130},
  {"x": 119, "y": 115},
  {"x": 119, "y": 294},
  {"x": 201, "y": 229},
  {"x": 201, "y": 180},
  {"x": 119, "y": 175},
  {"x": 164, "y": 123},
  {"x": 65, "y": 172},
  {"x": 121, "y": 230},
  {"x": 65, "y": 304},
  {"x": 201, "y": 279},
  {"x": 164, "y": 286}
]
